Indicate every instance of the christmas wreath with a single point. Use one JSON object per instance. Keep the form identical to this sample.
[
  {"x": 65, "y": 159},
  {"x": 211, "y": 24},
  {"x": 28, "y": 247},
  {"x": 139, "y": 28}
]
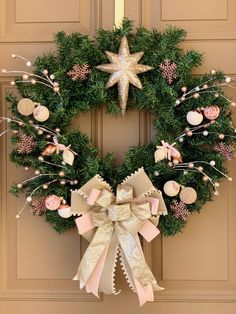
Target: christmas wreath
[{"x": 173, "y": 175}]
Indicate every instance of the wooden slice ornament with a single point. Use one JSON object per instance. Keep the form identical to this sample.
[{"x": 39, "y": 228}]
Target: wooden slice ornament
[
  {"x": 41, "y": 113},
  {"x": 171, "y": 188},
  {"x": 188, "y": 195},
  {"x": 194, "y": 117},
  {"x": 26, "y": 106}
]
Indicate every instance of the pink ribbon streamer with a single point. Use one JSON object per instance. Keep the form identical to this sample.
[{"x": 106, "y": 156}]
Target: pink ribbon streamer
[
  {"x": 145, "y": 294},
  {"x": 149, "y": 231},
  {"x": 171, "y": 151},
  {"x": 92, "y": 284},
  {"x": 85, "y": 223},
  {"x": 93, "y": 196},
  {"x": 154, "y": 202},
  {"x": 61, "y": 147}
]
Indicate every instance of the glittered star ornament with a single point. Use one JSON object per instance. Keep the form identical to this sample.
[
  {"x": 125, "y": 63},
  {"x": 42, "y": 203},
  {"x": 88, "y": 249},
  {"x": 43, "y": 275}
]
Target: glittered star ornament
[{"x": 124, "y": 68}]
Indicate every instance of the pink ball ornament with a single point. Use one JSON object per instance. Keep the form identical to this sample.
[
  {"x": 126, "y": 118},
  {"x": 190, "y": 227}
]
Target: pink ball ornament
[
  {"x": 211, "y": 112},
  {"x": 52, "y": 202}
]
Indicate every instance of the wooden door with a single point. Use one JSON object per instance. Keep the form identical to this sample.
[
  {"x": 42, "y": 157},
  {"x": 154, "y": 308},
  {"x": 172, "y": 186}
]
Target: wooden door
[{"x": 36, "y": 264}]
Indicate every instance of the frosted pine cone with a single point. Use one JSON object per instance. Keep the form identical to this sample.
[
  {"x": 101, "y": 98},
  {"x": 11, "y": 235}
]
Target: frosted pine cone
[
  {"x": 179, "y": 210},
  {"x": 26, "y": 144},
  {"x": 38, "y": 206},
  {"x": 168, "y": 70},
  {"x": 79, "y": 72}
]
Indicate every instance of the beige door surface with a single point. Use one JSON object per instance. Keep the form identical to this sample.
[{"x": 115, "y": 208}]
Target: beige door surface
[{"x": 198, "y": 267}]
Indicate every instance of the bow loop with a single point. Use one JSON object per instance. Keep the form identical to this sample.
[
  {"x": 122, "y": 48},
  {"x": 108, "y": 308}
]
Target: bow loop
[
  {"x": 142, "y": 211},
  {"x": 100, "y": 218},
  {"x": 105, "y": 199},
  {"x": 124, "y": 193}
]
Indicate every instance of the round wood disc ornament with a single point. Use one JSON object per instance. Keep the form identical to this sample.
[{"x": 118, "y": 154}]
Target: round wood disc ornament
[
  {"x": 194, "y": 117},
  {"x": 41, "y": 113},
  {"x": 171, "y": 188},
  {"x": 26, "y": 106},
  {"x": 188, "y": 195}
]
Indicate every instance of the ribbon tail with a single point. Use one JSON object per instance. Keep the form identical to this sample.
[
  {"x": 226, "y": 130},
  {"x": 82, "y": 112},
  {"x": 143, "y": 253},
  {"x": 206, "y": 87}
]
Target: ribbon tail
[
  {"x": 84, "y": 223},
  {"x": 107, "y": 279},
  {"x": 169, "y": 154},
  {"x": 93, "y": 253},
  {"x": 144, "y": 294},
  {"x": 93, "y": 282},
  {"x": 127, "y": 271},
  {"x": 149, "y": 231},
  {"x": 156, "y": 286},
  {"x": 140, "y": 271},
  {"x": 134, "y": 256}
]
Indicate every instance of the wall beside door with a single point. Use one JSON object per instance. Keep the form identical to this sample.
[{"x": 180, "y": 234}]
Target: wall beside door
[{"x": 36, "y": 265}]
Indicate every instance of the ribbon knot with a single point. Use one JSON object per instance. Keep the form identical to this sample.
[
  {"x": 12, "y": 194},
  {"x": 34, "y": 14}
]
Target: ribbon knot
[
  {"x": 119, "y": 212},
  {"x": 122, "y": 206},
  {"x": 111, "y": 223}
]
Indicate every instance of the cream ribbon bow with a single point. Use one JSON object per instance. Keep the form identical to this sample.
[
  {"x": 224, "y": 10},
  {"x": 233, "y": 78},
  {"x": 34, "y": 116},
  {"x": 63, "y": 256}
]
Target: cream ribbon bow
[{"x": 112, "y": 224}]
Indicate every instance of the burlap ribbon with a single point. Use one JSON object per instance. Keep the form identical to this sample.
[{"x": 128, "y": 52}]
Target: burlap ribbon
[{"x": 112, "y": 224}]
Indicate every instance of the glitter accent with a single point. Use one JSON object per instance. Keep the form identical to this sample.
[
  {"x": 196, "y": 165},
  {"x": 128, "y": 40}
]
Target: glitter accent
[
  {"x": 79, "y": 72},
  {"x": 226, "y": 150},
  {"x": 179, "y": 210},
  {"x": 168, "y": 70},
  {"x": 124, "y": 68},
  {"x": 26, "y": 144}
]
